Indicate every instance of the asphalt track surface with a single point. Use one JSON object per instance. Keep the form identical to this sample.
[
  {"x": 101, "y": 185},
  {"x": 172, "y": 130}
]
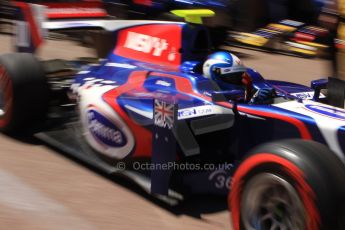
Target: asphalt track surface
[{"x": 41, "y": 188}]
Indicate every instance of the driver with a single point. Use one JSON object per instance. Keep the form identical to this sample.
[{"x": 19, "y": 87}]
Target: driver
[{"x": 229, "y": 73}]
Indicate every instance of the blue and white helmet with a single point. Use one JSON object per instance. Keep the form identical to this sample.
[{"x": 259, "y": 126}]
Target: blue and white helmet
[{"x": 223, "y": 66}]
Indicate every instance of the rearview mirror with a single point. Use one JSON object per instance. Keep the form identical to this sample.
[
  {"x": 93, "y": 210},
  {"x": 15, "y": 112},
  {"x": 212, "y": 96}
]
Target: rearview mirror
[{"x": 317, "y": 86}]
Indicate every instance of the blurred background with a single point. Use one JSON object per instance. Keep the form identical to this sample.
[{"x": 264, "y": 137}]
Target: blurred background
[{"x": 295, "y": 40}]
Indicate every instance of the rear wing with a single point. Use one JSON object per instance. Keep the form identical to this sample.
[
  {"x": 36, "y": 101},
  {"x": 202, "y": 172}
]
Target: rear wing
[
  {"x": 34, "y": 21},
  {"x": 70, "y": 10},
  {"x": 33, "y": 27},
  {"x": 163, "y": 43}
]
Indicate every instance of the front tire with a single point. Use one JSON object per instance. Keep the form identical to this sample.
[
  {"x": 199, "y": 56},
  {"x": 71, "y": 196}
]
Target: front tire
[
  {"x": 24, "y": 92},
  {"x": 290, "y": 184}
]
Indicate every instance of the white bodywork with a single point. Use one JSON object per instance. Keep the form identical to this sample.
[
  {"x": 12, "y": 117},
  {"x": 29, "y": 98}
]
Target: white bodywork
[
  {"x": 328, "y": 125},
  {"x": 108, "y": 25},
  {"x": 90, "y": 95}
]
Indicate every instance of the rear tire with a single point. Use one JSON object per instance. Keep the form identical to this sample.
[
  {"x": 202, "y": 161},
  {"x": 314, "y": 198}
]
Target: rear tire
[
  {"x": 295, "y": 181},
  {"x": 24, "y": 92}
]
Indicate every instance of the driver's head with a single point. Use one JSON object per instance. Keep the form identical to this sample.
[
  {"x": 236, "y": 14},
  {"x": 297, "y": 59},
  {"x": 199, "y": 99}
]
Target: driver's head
[{"x": 224, "y": 66}]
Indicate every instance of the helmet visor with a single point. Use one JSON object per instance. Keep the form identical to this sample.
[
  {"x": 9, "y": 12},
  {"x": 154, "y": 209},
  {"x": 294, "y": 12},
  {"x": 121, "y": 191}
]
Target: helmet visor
[{"x": 230, "y": 74}]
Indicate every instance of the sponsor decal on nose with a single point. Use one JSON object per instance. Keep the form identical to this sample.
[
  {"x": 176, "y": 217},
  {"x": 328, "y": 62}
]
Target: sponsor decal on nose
[{"x": 104, "y": 130}]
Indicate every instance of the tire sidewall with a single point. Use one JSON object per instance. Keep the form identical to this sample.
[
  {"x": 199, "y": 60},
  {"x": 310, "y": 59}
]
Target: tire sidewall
[
  {"x": 309, "y": 176},
  {"x": 29, "y": 91}
]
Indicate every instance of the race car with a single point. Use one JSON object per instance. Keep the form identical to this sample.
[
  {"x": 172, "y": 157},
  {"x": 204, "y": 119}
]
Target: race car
[
  {"x": 286, "y": 36},
  {"x": 147, "y": 112}
]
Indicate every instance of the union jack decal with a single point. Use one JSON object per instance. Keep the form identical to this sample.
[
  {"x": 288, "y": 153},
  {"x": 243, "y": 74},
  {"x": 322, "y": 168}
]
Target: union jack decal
[{"x": 164, "y": 114}]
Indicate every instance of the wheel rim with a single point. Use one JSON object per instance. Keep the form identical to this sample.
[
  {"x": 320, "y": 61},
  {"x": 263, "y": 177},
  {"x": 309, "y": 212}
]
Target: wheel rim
[{"x": 271, "y": 203}]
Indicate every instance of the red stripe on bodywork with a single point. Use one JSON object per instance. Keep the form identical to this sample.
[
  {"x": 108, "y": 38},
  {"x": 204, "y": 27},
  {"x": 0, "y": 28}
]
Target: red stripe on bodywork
[
  {"x": 93, "y": 9},
  {"x": 305, "y": 134},
  {"x": 183, "y": 85},
  {"x": 76, "y": 10},
  {"x": 305, "y": 191},
  {"x": 81, "y": 14},
  {"x": 143, "y": 137}
]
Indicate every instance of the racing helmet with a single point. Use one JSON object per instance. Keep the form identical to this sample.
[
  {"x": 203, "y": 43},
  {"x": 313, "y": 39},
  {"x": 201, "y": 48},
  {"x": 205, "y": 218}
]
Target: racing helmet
[{"x": 224, "y": 66}]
